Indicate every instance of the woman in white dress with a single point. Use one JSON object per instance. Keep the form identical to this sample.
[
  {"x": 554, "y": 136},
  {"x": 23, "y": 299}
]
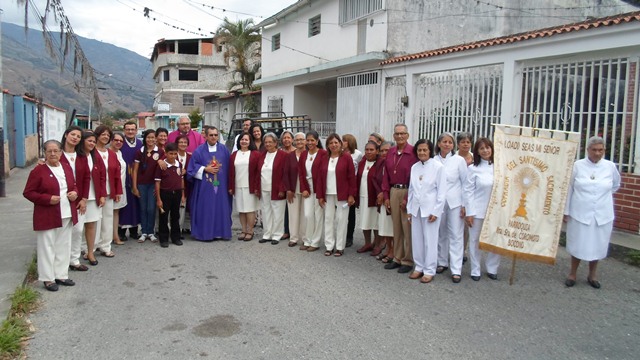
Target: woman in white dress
[
  {"x": 385, "y": 223},
  {"x": 297, "y": 225},
  {"x": 451, "y": 242},
  {"x": 589, "y": 211},
  {"x": 97, "y": 194},
  {"x": 425, "y": 203},
  {"x": 477, "y": 194},
  {"x": 243, "y": 174},
  {"x": 367, "y": 196},
  {"x": 116, "y": 145}
]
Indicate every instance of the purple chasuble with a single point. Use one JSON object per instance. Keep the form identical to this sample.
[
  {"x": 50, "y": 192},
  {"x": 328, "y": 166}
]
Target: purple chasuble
[{"x": 130, "y": 214}]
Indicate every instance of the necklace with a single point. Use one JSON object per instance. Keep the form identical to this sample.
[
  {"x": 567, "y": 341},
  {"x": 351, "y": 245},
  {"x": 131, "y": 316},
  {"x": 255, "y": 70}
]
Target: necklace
[{"x": 396, "y": 163}]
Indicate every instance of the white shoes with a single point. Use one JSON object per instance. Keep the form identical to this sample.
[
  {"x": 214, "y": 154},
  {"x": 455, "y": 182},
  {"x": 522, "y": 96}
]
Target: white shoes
[
  {"x": 153, "y": 238},
  {"x": 142, "y": 238}
]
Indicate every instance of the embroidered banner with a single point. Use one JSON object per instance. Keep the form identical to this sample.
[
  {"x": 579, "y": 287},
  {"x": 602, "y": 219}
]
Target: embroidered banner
[{"x": 532, "y": 170}]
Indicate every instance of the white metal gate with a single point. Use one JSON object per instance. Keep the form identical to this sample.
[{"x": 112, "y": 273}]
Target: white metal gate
[
  {"x": 466, "y": 100},
  {"x": 394, "y": 109},
  {"x": 358, "y": 105},
  {"x": 593, "y": 97}
]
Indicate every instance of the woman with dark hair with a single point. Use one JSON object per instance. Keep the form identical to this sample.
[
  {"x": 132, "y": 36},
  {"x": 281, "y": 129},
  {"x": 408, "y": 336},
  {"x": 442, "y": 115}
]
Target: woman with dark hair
[
  {"x": 465, "y": 143},
  {"x": 336, "y": 193},
  {"x": 97, "y": 194},
  {"x": 183, "y": 158},
  {"x": 162, "y": 135},
  {"x": 385, "y": 222},
  {"x": 367, "y": 196},
  {"x": 258, "y": 134},
  {"x": 350, "y": 146},
  {"x": 271, "y": 189},
  {"x": 451, "y": 243},
  {"x": 477, "y": 191},
  {"x": 243, "y": 177},
  {"x": 113, "y": 188},
  {"x": 72, "y": 155},
  {"x": 116, "y": 145},
  {"x": 295, "y": 204},
  {"x": 426, "y": 198},
  {"x": 286, "y": 139},
  {"x": 144, "y": 170},
  {"x": 309, "y": 175},
  {"x": 51, "y": 188}
]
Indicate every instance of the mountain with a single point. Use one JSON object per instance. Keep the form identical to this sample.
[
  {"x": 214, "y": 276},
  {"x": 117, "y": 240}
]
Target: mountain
[{"x": 28, "y": 68}]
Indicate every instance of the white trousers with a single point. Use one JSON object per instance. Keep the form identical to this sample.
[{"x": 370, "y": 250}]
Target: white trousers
[
  {"x": 451, "y": 240},
  {"x": 77, "y": 239},
  {"x": 104, "y": 228},
  {"x": 336, "y": 217},
  {"x": 54, "y": 249},
  {"x": 297, "y": 223},
  {"x": 314, "y": 220},
  {"x": 492, "y": 261},
  {"x": 424, "y": 244},
  {"x": 272, "y": 217}
]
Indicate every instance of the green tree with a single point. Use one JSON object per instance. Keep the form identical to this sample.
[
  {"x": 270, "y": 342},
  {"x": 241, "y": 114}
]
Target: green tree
[
  {"x": 241, "y": 51},
  {"x": 196, "y": 118}
]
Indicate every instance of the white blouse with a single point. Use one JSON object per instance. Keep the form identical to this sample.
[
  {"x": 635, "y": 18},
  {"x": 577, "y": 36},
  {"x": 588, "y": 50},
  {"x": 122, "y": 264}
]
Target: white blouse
[
  {"x": 364, "y": 190},
  {"x": 332, "y": 184},
  {"x": 65, "y": 204},
  {"x": 427, "y": 189},
  {"x": 241, "y": 167},
  {"x": 266, "y": 173},
  {"x": 456, "y": 169},
  {"x": 478, "y": 188}
]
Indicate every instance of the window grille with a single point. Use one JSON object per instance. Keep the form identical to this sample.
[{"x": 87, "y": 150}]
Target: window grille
[
  {"x": 188, "y": 100},
  {"x": 314, "y": 26},
  {"x": 355, "y": 9},
  {"x": 275, "y": 42}
]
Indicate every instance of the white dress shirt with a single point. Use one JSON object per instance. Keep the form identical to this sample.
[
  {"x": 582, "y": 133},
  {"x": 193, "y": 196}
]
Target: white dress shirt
[{"x": 427, "y": 189}]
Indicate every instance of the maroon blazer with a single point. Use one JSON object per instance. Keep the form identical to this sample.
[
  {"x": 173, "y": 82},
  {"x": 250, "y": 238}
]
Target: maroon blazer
[
  {"x": 291, "y": 171},
  {"x": 99, "y": 176},
  {"x": 372, "y": 194},
  {"x": 315, "y": 170},
  {"x": 254, "y": 171},
  {"x": 345, "y": 177},
  {"x": 278, "y": 182},
  {"x": 41, "y": 186},
  {"x": 82, "y": 176},
  {"x": 115, "y": 183}
]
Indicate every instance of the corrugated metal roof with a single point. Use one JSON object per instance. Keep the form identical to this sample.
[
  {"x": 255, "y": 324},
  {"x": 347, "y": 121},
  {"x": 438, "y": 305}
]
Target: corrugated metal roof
[{"x": 534, "y": 34}]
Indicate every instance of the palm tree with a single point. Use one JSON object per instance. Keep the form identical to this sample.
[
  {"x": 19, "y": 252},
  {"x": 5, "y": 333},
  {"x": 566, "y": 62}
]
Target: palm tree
[{"x": 242, "y": 49}]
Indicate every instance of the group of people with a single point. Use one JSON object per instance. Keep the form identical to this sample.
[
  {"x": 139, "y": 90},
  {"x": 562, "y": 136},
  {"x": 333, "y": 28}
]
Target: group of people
[{"x": 418, "y": 204}]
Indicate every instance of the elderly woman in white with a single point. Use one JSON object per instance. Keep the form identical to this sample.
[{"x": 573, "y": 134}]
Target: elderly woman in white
[{"x": 589, "y": 210}]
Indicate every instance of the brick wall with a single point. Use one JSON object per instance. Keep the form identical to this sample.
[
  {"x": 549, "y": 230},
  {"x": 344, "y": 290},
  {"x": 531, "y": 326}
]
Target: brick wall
[{"x": 627, "y": 204}]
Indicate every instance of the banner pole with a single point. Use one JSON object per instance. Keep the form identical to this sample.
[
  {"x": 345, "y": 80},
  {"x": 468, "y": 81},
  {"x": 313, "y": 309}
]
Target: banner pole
[{"x": 513, "y": 270}]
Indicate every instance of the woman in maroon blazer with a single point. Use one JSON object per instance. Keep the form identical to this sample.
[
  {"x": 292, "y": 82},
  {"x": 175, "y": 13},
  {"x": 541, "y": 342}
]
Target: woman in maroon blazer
[
  {"x": 244, "y": 174},
  {"x": 294, "y": 194},
  {"x": 52, "y": 190},
  {"x": 271, "y": 189},
  {"x": 367, "y": 195},
  {"x": 336, "y": 192},
  {"x": 72, "y": 155},
  {"x": 97, "y": 194},
  {"x": 113, "y": 188},
  {"x": 309, "y": 174}
]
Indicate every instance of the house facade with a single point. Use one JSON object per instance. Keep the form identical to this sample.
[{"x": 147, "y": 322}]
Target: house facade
[
  {"x": 185, "y": 70},
  {"x": 219, "y": 110},
  {"x": 463, "y": 69},
  {"x": 323, "y": 57}
]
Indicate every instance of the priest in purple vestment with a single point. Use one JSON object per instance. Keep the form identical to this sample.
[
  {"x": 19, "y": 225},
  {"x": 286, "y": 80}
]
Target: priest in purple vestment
[
  {"x": 210, "y": 202},
  {"x": 130, "y": 214}
]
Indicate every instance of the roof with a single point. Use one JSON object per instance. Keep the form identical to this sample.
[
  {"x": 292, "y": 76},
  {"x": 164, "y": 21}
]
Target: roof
[
  {"x": 534, "y": 34},
  {"x": 145, "y": 114},
  {"x": 284, "y": 12},
  {"x": 230, "y": 95}
]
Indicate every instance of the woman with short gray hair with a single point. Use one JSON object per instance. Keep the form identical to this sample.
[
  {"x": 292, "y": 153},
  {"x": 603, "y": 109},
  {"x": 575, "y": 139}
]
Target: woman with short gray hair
[
  {"x": 271, "y": 189},
  {"x": 589, "y": 211}
]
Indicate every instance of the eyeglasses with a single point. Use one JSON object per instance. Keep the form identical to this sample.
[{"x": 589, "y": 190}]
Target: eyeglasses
[
  {"x": 400, "y": 134},
  {"x": 55, "y": 151},
  {"x": 182, "y": 124},
  {"x": 213, "y": 134}
]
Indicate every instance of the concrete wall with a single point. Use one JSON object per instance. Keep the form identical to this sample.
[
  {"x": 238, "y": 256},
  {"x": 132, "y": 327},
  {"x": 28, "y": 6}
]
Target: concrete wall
[
  {"x": 54, "y": 123},
  {"x": 7, "y": 167},
  {"x": 425, "y": 25},
  {"x": 334, "y": 41},
  {"x": 31, "y": 149}
]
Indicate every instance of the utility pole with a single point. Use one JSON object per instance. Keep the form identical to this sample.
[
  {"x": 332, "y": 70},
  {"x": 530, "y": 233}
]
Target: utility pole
[{"x": 3, "y": 192}]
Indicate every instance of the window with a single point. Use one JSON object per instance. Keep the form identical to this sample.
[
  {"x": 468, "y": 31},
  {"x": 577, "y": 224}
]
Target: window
[
  {"x": 356, "y": 9},
  {"x": 314, "y": 26},
  {"x": 188, "y": 75},
  {"x": 188, "y": 47},
  {"x": 275, "y": 42},
  {"x": 165, "y": 75},
  {"x": 188, "y": 100}
]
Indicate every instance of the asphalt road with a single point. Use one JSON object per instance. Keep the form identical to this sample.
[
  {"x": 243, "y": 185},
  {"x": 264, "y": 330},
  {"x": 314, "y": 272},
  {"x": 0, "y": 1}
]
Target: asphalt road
[{"x": 245, "y": 300}]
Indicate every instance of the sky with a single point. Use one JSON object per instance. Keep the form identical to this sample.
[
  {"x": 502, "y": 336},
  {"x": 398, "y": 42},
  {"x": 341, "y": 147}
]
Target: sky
[{"x": 122, "y": 22}]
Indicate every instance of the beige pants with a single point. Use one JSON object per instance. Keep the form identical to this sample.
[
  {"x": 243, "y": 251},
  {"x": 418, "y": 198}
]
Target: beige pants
[{"x": 401, "y": 228}]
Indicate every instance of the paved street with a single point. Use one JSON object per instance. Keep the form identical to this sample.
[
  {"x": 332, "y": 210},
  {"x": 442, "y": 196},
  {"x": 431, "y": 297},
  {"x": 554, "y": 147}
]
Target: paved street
[{"x": 237, "y": 300}]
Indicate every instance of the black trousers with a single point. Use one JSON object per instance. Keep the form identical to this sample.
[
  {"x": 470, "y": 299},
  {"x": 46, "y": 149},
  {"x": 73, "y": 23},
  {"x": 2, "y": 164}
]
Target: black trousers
[
  {"x": 351, "y": 224},
  {"x": 171, "y": 206}
]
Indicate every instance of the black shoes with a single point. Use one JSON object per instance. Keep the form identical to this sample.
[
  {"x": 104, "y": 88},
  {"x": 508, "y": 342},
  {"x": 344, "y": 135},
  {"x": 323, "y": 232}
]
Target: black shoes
[
  {"x": 594, "y": 283},
  {"x": 262, "y": 241},
  {"x": 52, "y": 286},
  {"x": 405, "y": 269},
  {"x": 441, "y": 269},
  {"x": 349, "y": 242},
  {"x": 178, "y": 242},
  {"x": 475, "y": 278},
  {"x": 164, "y": 244},
  {"x": 492, "y": 276},
  {"x": 65, "y": 282},
  {"x": 569, "y": 282},
  {"x": 392, "y": 265}
]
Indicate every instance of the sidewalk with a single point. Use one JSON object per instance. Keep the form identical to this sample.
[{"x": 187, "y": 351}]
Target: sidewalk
[{"x": 18, "y": 241}]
